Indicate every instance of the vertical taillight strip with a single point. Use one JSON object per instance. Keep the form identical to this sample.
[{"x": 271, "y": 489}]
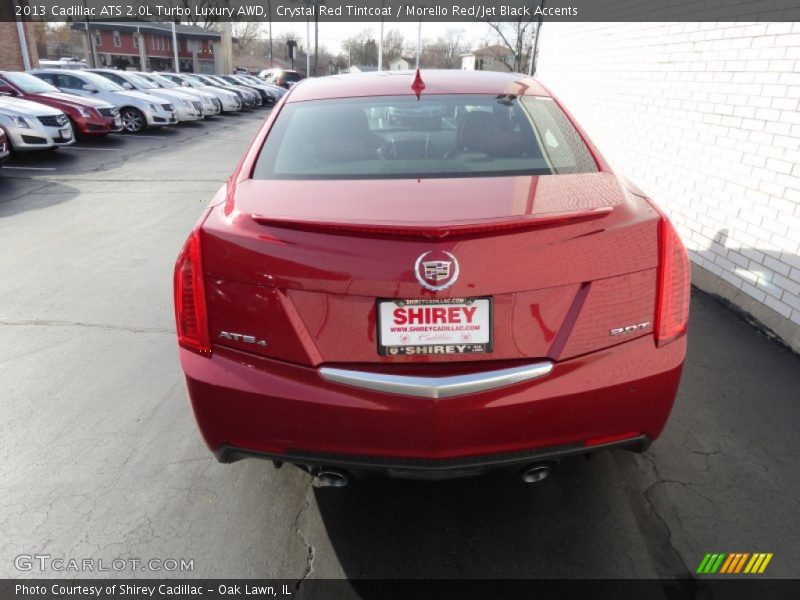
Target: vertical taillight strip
[
  {"x": 190, "y": 300},
  {"x": 674, "y": 284}
]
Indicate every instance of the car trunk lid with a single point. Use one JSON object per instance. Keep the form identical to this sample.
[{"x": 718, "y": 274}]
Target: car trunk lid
[{"x": 302, "y": 265}]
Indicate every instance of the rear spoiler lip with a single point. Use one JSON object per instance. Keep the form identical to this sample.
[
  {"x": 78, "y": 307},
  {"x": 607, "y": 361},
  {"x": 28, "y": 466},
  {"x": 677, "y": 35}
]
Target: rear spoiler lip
[{"x": 428, "y": 230}]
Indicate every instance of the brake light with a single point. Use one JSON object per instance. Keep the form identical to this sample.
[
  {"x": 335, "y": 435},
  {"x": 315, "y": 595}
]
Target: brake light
[
  {"x": 672, "y": 310},
  {"x": 190, "y": 299}
]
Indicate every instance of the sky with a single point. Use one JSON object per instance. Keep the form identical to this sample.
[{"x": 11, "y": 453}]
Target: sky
[{"x": 331, "y": 35}]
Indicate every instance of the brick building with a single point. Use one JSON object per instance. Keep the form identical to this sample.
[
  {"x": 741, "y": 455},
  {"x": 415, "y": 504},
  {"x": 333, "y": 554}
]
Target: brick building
[
  {"x": 11, "y": 56},
  {"x": 131, "y": 45},
  {"x": 705, "y": 117}
]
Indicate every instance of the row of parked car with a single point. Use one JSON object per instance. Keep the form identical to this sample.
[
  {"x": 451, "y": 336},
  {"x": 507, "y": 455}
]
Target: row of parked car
[{"x": 44, "y": 109}]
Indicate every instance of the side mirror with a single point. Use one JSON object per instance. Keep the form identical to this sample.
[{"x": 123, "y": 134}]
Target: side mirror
[
  {"x": 127, "y": 86},
  {"x": 90, "y": 88}
]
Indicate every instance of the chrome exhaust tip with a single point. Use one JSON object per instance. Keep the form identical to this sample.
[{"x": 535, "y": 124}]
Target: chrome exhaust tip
[
  {"x": 536, "y": 473},
  {"x": 327, "y": 477}
]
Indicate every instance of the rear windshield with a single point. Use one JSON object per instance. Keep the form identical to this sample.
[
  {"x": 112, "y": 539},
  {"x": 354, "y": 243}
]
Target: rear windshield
[{"x": 389, "y": 137}]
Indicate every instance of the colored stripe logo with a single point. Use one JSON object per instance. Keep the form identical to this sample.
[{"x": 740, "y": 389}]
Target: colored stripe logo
[{"x": 734, "y": 562}]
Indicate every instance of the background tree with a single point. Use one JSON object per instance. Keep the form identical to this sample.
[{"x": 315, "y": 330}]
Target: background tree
[
  {"x": 247, "y": 35},
  {"x": 515, "y": 35},
  {"x": 281, "y": 49},
  {"x": 393, "y": 46},
  {"x": 362, "y": 48},
  {"x": 453, "y": 46},
  {"x": 445, "y": 52}
]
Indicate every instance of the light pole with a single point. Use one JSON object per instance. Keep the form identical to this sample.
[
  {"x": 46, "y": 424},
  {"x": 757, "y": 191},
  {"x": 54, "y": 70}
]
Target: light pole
[
  {"x": 269, "y": 7},
  {"x": 316, "y": 36},
  {"x": 89, "y": 37},
  {"x": 380, "y": 43},
  {"x": 419, "y": 41},
  {"x": 308, "y": 45},
  {"x": 175, "y": 48},
  {"x": 23, "y": 41}
]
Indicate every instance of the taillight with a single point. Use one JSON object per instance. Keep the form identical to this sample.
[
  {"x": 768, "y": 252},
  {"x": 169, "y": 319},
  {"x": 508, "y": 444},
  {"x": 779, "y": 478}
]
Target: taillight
[
  {"x": 190, "y": 299},
  {"x": 672, "y": 311}
]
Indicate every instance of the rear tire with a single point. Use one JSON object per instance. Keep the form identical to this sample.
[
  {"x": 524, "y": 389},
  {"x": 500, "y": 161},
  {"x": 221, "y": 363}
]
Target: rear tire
[{"x": 133, "y": 120}]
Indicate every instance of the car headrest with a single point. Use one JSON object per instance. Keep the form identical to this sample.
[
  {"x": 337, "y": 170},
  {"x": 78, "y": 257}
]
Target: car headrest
[
  {"x": 342, "y": 123},
  {"x": 474, "y": 131}
]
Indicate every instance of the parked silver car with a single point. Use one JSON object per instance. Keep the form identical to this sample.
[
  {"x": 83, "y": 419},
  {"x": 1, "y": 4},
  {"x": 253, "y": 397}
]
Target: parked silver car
[
  {"x": 137, "y": 109},
  {"x": 187, "y": 107},
  {"x": 210, "y": 106},
  {"x": 33, "y": 126},
  {"x": 229, "y": 100}
]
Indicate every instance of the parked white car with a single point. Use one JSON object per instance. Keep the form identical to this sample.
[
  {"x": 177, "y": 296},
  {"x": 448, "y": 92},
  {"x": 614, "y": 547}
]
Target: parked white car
[
  {"x": 32, "y": 126},
  {"x": 210, "y": 105},
  {"x": 63, "y": 63},
  {"x": 229, "y": 100},
  {"x": 137, "y": 109},
  {"x": 187, "y": 107}
]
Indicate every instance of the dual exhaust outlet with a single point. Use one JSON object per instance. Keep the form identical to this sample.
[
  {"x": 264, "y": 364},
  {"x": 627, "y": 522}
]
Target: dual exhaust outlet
[{"x": 331, "y": 477}]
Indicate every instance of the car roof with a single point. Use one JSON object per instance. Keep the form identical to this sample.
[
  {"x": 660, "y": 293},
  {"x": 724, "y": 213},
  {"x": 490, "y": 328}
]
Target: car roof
[{"x": 398, "y": 83}]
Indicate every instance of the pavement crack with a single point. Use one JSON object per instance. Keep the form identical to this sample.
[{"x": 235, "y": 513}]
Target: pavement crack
[
  {"x": 310, "y": 550},
  {"x": 666, "y": 533},
  {"x": 101, "y": 326}
]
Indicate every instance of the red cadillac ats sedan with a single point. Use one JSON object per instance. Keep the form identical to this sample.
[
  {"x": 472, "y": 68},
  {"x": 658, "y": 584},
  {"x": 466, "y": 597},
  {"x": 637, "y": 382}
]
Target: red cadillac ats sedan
[{"x": 428, "y": 277}]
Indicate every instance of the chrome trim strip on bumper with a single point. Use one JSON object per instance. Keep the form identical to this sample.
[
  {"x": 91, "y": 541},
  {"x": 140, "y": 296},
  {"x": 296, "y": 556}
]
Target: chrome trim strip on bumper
[{"x": 436, "y": 387}]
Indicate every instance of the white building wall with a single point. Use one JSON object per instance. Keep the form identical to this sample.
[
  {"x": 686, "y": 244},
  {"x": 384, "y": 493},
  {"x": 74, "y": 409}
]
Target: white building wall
[{"x": 705, "y": 117}]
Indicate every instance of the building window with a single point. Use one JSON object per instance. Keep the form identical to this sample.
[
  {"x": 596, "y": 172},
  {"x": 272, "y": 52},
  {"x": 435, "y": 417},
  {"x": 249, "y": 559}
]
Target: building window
[
  {"x": 117, "y": 40},
  {"x": 136, "y": 40},
  {"x": 98, "y": 38}
]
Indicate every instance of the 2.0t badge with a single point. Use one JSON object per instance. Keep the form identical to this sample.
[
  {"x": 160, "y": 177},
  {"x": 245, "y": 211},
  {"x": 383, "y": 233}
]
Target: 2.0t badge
[{"x": 436, "y": 275}]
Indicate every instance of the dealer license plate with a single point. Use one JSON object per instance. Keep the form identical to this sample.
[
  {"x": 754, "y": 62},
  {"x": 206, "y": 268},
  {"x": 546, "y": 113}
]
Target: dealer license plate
[
  {"x": 424, "y": 327},
  {"x": 66, "y": 133}
]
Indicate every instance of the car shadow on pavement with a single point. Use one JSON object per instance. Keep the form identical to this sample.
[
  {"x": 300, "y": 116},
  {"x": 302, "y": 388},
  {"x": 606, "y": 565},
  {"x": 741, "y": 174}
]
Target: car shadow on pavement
[
  {"x": 577, "y": 523},
  {"x": 22, "y": 195},
  {"x": 721, "y": 476}
]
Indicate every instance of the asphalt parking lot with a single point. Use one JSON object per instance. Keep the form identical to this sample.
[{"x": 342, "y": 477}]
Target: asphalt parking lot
[{"x": 100, "y": 456}]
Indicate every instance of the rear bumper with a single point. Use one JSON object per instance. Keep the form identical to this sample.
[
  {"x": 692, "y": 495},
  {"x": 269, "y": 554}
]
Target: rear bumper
[
  {"x": 433, "y": 469},
  {"x": 251, "y": 406}
]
